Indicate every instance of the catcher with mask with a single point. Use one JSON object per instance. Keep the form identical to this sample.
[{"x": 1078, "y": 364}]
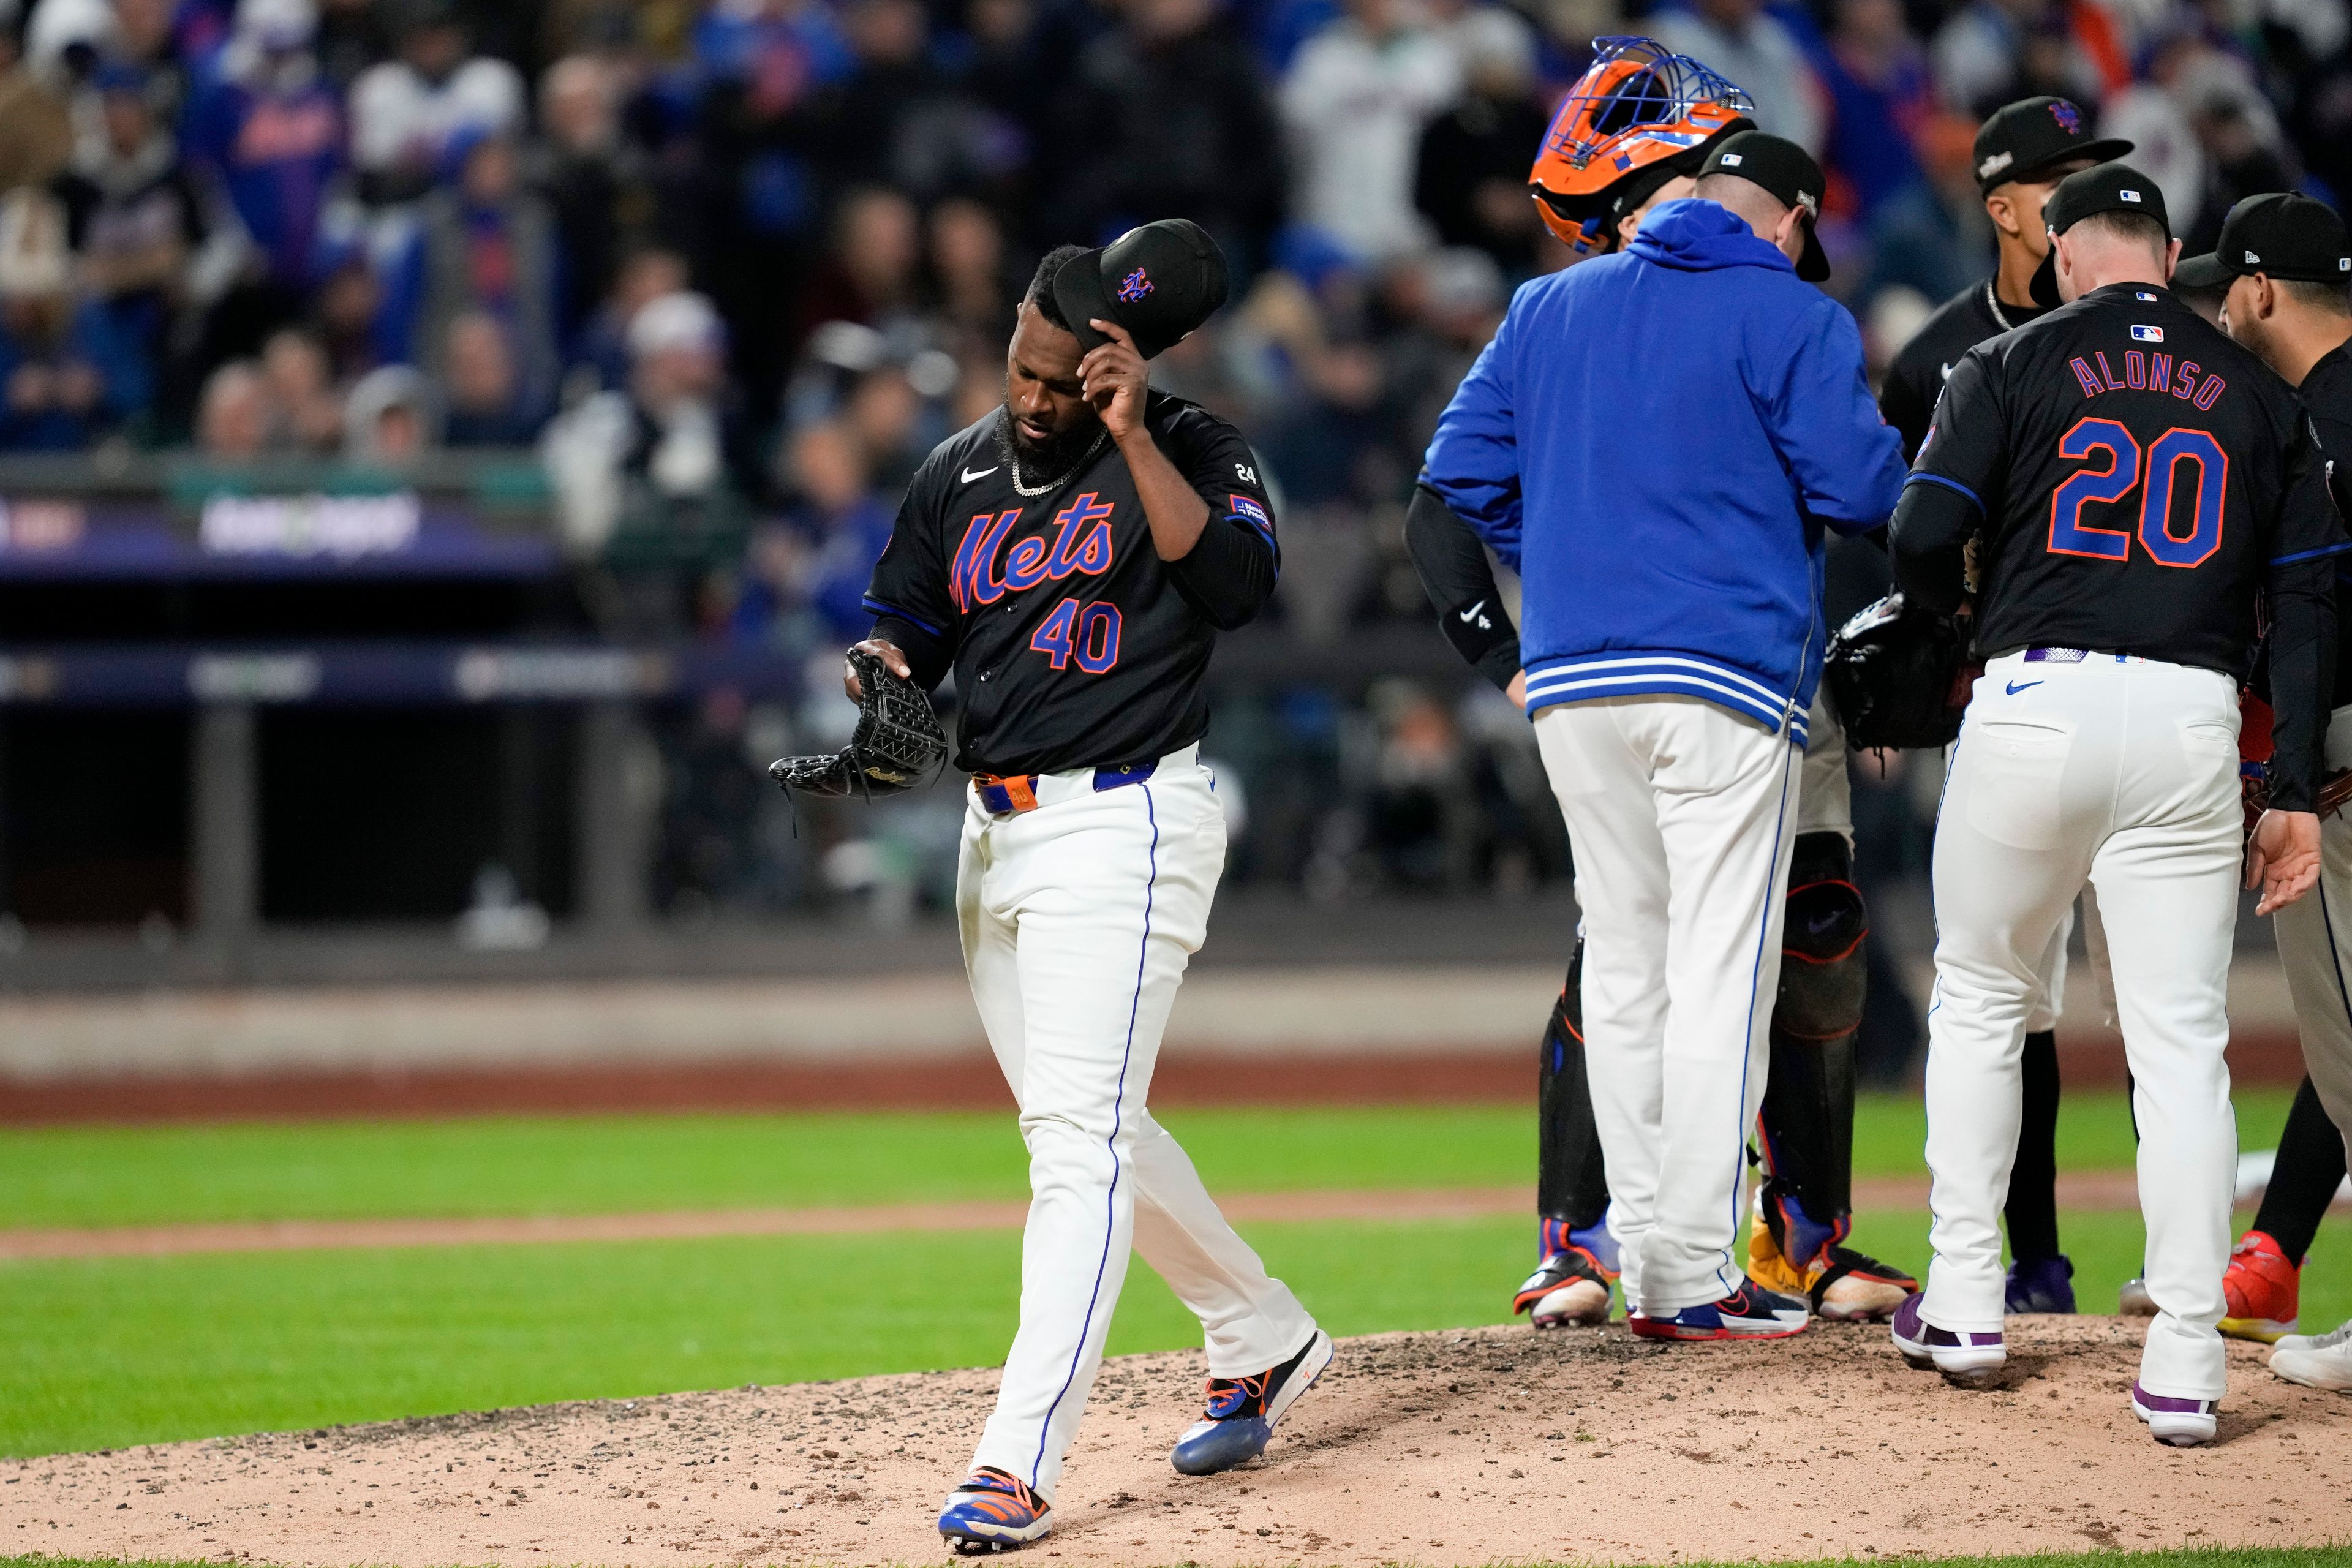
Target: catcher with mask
[
  {"x": 1072, "y": 557},
  {"x": 1633, "y": 133}
]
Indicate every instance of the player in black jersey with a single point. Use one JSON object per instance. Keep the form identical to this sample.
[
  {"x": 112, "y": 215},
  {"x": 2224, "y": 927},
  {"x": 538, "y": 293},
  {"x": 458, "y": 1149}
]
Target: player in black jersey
[
  {"x": 2022, "y": 151},
  {"x": 1072, "y": 557},
  {"x": 2133, "y": 480},
  {"x": 2286, "y": 264}
]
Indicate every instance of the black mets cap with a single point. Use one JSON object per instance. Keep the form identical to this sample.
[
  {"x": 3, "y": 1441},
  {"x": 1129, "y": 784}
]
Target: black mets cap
[
  {"x": 2281, "y": 235},
  {"x": 1159, "y": 281},
  {"x": 1788, "y": 172},
  {"x": 2029, "y": 138},
  {"x": 2109, "y": 188}
]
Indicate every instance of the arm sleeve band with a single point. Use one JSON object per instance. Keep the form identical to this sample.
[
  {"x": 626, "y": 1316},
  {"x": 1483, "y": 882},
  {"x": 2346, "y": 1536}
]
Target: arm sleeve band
[
  {"x": 1461, "y": 583},
  {"x": 1930, "y": 535},
  {"x": 927, "y": 656}
]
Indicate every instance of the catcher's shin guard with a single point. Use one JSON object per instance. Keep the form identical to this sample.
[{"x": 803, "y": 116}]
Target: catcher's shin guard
[
  {"x": 1577, "y": 1257},
  {"x": 1806, "y": 1129},
  {"x": 1571, "y": 1184}
]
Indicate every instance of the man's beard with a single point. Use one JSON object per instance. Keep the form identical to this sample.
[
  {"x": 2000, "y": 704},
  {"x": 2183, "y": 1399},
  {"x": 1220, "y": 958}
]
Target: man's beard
[{"x": 1052, "y": 460}]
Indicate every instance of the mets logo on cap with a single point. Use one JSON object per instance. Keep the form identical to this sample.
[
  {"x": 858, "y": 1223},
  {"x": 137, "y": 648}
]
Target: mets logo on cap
[
  {"x": 1134, "y": 285},
  {"x": 2069, "y": 117}
]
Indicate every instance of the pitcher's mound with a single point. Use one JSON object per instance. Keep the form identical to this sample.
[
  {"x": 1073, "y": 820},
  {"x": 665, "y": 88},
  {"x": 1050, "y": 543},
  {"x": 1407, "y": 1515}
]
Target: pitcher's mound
[{"x": 1463, "y": 1448}]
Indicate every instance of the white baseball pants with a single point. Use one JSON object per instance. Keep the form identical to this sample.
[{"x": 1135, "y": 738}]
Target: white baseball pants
[
  {"x": 2315, "y": 943},
  {"x": 2123, "y": 774},
  {"x": 1679, "y": 815},
  {"x": 1078, "y": 919}
]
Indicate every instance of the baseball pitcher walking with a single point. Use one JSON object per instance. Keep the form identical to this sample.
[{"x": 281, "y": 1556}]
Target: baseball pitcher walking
[
  {"x": 1671, "y": 645},
  {"x": 2135, "y": 481},
  {"x": 1073, "y": 556}
]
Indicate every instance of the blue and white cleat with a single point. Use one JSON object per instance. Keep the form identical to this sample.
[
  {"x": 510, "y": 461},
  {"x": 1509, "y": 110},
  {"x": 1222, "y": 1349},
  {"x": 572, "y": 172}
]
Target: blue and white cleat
[
  {"x": 1243, "y": 1412},
  {"x": 994, "y": 1512},
  {"x": 1750, "y": 1312},
  {"x": 1971, "y": 1359}
]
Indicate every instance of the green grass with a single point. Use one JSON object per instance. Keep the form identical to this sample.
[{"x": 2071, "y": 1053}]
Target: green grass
[
  {"x": 107, "y": 1352},
  {"x": 321, "y": 1170}
]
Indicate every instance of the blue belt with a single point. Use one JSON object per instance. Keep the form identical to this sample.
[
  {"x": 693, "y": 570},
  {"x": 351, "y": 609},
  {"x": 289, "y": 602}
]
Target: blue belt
[{"x": 1004, "y": 794}]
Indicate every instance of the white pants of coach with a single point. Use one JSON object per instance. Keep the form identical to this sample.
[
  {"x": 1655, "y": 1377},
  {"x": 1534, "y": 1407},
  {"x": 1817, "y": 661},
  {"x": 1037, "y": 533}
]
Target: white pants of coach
[
  {"x": 2314, "y": 943},
  {"x": 1078, "y": 919},
  {"x": 2124, "y": 774},
  {"x": 1679, "y": 818}
]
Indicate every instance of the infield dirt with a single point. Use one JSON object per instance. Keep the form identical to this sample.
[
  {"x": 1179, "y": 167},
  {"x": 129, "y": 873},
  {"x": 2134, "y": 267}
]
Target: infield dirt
[{"x": 1461, "y": 1448}]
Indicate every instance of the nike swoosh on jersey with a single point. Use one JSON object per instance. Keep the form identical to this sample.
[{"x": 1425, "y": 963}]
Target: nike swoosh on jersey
[
  {"x": 2013, "y": 688},
  {"x": 969, "y": 475},
  {"x": 1474, "y": 609}
]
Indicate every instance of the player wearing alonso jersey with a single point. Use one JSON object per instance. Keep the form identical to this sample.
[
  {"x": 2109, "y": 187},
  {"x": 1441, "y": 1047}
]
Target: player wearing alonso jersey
[
  {"x": 1072, "y": 558},
  {"x": 2022, "y": 151},
  {"x": 2134, "y": 480}
]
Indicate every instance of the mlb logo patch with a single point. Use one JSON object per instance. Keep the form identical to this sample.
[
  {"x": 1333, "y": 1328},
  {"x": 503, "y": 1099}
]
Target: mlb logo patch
[
  {"x": 2128, "y": 195},
  {"x": 2147, "y": 334},
  {"x": 2145, "y": 298},
  {"x": 1244, "y": 507},
  {"x": 1728, "y": 161}
]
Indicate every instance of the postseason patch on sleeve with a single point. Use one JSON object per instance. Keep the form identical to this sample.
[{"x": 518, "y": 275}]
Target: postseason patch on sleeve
[{"x": 1247, "y": 507}]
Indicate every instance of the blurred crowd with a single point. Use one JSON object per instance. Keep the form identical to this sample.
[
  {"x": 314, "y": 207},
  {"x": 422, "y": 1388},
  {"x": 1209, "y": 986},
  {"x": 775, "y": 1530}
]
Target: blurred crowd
[{"x": 731, "y": 267}]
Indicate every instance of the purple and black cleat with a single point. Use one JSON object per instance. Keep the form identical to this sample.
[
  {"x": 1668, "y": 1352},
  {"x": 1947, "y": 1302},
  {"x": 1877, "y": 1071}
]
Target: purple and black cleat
[
  {"x": 1971, "y": 1359},
  {"x": 2040, "y": 1284}
]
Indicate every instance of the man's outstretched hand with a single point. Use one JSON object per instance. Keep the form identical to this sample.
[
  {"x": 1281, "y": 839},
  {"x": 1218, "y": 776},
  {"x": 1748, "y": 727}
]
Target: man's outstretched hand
[
  {"x": 887, "y": 652},
  {"x": 2284, "y": 858}
]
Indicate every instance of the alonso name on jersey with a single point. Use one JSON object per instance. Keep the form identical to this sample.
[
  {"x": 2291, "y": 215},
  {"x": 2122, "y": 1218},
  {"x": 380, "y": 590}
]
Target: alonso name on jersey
[
  {"x": 2141, "y": 477},
  {"x": 1074, "y": 645}
]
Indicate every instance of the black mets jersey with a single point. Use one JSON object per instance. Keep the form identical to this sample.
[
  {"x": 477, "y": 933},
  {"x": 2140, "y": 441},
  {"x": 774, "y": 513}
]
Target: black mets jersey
[
  {"x": 1074, "y": 643},
  {"x": 2139, "y": 477},
  {"x": 2327, "y": 395},
  {"x": 1906, "y": 398}
]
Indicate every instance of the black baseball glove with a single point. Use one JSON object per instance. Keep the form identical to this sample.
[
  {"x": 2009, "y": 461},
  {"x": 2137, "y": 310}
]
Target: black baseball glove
[
  {"x": 897, "y": 745},
  {"x": 1900, "y": 676}
]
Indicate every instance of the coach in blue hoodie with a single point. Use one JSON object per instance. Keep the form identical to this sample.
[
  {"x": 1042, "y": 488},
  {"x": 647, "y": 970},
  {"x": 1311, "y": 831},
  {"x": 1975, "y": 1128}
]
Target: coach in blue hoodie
[{"x": 1654, "y": 441}]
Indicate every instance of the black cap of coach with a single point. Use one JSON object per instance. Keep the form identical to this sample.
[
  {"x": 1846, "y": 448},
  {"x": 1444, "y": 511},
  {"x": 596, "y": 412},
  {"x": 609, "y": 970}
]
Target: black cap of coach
[
  {"x": 2109, "y": 188},
  {"x": 1159, "y": 281},
  {"x": 2031, "y": 137},
  {"x": 2280, "y": 235},
  {"x": 1786, "y": 171}
]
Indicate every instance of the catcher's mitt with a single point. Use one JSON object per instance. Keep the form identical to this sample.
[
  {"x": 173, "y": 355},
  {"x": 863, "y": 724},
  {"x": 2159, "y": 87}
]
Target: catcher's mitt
[
  {"x": 1900, "y": 676},
  {"x": 897, "y": 744}
]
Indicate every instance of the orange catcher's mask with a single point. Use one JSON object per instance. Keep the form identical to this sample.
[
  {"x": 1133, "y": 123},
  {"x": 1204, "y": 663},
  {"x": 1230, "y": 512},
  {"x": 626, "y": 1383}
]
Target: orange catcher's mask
[{"x": 1638, "y": 108}]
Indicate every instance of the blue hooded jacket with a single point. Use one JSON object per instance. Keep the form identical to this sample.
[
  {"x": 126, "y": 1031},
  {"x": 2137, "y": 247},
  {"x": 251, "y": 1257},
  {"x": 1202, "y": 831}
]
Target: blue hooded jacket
[{"x": 1654, "y": 441}]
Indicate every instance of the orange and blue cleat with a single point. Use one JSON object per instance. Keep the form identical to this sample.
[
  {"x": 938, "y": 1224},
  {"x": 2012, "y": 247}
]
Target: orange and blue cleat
[
  {"x": 1243, "y": 1410},
  {"x": 994, "y": 1512}
]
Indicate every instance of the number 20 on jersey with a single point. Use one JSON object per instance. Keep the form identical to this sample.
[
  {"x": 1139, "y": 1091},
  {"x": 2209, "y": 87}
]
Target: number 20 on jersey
[{"x": 2159, "y": 473}]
